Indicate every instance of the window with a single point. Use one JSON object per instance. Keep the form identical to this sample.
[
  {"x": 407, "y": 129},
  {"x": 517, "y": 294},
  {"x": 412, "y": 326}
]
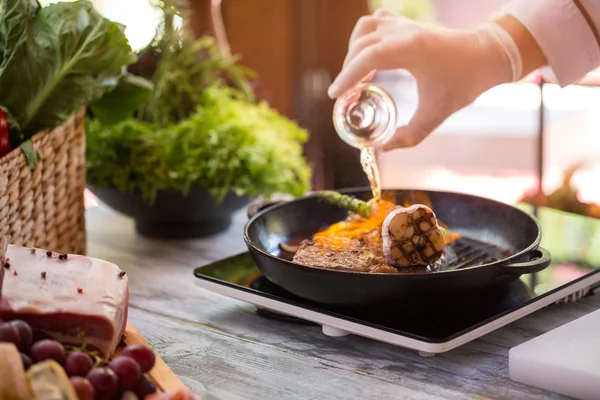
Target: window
[{"x": 138, "y": 16}]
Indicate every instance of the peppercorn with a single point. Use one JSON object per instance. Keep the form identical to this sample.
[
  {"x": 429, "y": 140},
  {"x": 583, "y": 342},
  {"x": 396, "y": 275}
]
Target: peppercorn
[
  {"x": 44, "y": 274},
  {"x": 49, "y": 253},
  {"x": 122, "y": 274},
  {"x": 6, "y": 265},
  {"x": 79, "y": 290}
]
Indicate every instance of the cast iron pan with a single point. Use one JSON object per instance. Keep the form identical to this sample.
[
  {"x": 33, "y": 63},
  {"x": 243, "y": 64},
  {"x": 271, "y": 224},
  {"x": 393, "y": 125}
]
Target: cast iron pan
[{"x": 514, "y": 234}]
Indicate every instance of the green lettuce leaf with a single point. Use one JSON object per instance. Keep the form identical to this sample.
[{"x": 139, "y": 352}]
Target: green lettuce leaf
[
  {"x": 31, "y": 154},
  {"x": 121, "y": 103},
  {"x": 64, "y": 58},
  {"x": 16, "y": 16}
]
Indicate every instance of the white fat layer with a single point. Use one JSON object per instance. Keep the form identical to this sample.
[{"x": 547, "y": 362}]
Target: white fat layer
[{"x": 39, "y": 284}]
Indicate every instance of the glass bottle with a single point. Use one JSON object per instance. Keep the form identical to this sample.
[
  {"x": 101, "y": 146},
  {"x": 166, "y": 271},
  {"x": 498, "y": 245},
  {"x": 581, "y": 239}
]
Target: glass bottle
[{"x": 365, "y": 116}]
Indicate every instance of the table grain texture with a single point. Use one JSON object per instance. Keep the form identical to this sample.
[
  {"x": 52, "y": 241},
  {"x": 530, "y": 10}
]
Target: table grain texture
[{"x": 218, "y": 344}]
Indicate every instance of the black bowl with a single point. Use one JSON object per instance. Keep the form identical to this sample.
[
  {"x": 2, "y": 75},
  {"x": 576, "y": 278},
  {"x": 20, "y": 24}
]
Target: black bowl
[{"x": 174, "y": 215}]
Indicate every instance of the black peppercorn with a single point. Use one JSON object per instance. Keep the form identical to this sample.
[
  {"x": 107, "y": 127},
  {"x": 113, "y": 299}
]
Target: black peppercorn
[
  {"x": 6, "y": 265},
  {"x": 122, "y": 274},
  {"x": 49, "y": 253}
]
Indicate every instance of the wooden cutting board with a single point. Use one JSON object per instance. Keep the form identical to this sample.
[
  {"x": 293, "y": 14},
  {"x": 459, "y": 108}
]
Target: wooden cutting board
[{"x": 161, "y": 374}]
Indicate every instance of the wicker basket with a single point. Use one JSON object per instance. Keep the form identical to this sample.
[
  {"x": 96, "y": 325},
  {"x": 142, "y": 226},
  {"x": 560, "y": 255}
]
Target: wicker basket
[{"x": 44, "y": 206}]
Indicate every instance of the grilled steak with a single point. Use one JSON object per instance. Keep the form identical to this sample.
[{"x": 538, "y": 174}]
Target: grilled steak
[{"x": 363, "y": 254}]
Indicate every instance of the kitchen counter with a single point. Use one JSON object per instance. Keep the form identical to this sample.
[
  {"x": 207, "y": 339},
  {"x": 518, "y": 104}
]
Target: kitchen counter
[{"x": 218, "y": 343}]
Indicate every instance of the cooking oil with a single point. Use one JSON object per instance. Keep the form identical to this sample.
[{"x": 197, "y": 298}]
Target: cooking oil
[{"x": 369, "y": 164}]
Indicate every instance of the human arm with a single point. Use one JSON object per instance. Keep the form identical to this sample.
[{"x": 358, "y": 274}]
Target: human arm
[
  {"x": 567, "y": 32},
  {"x": 453, "y": 67},
  {"x": 531, "y": 54}
]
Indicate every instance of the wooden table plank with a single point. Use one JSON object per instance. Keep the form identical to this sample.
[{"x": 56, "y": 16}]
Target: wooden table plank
[
  {"x": 233, "y": 368},
  {"x": 220, "y": 342},
  {"x": 164, "y": 378}
]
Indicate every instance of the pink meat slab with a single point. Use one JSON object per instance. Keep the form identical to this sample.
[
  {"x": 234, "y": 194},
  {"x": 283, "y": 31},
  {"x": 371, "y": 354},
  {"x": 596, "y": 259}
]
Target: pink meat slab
[{"x": 67, "y": 298}]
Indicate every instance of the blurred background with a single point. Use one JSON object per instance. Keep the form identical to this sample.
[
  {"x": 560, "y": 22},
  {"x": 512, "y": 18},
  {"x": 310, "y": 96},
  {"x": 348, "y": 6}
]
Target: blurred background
[{"x": 490, "y": 149}]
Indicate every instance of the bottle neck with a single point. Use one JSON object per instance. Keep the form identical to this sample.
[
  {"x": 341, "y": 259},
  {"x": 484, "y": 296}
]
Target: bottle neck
[{"x": 365, "y": 116}]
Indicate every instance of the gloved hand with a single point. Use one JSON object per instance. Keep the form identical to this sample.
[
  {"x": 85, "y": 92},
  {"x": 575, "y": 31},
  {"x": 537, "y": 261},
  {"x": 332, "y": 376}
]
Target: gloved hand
[{"x": 451, "y": 67}]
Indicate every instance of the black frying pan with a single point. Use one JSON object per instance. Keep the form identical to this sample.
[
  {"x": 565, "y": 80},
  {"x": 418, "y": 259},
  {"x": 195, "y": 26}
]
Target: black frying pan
[{"x": 513, "y": 235}]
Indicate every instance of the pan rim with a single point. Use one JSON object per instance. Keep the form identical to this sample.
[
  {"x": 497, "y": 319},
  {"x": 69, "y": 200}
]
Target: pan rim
[{"x": 498, "y": 263}]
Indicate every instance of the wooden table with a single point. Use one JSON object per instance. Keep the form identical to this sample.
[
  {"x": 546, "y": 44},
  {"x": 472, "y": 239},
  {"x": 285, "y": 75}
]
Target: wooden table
[{"x": 219, "y": 343}]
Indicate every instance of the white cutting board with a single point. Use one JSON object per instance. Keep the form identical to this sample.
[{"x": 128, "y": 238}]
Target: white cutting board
[{"x": 565, "y": 360}]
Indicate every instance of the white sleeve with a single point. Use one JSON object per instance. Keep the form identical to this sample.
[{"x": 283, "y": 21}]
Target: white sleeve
[{"x": 567, "y": 32}]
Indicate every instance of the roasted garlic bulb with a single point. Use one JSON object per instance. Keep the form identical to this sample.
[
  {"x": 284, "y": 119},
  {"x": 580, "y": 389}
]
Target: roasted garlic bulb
[{"x": 412, "y": 236}]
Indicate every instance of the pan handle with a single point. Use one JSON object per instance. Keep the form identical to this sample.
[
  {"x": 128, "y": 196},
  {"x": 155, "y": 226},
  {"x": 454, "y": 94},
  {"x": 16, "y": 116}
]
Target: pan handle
[
  {"x": 258, "y": 206},
  {"x": 539, "y": 259}
]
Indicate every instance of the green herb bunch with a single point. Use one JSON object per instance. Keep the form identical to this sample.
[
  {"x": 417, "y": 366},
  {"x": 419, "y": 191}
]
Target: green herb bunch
[
  {"x": 188, "y": 67},
  {"x": 199, "y": 125},
  {"x": 227, "y": 144}
]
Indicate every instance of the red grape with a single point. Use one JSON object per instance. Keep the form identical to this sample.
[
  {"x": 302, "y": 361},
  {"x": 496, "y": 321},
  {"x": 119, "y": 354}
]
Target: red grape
[
  {"x": 128, "y": 371},
  {"x": 83, "y": 388},
  {"x": 48, "y": 349},
  {"x": 104, "y": 381},
  {"x": 144, "y": 387},
  {"x": 18, "y": 333},
  {"x": 78, "y": 363},
  {"x": 141, "y": 354},
  {"x": 9, "y": 334},
  {"x": 25, "y": 333},
  {"x": 26, "y": 361}
]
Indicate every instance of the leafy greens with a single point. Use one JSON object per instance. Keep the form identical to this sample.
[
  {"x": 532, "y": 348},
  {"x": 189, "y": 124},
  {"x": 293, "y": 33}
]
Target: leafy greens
[
  {"x": 55, "y": 60},
  {"x": 227, "y": 144},
  {"x": 200, "y": 127},
  {"x": 187, "y": 67}
]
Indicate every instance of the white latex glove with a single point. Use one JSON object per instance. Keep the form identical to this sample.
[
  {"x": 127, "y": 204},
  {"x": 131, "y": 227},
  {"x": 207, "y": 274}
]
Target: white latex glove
[{"x": 451, "y": 67}]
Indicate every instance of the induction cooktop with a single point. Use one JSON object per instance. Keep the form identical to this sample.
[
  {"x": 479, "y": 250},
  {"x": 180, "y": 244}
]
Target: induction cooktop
[{"x": 429, "y": 324}]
